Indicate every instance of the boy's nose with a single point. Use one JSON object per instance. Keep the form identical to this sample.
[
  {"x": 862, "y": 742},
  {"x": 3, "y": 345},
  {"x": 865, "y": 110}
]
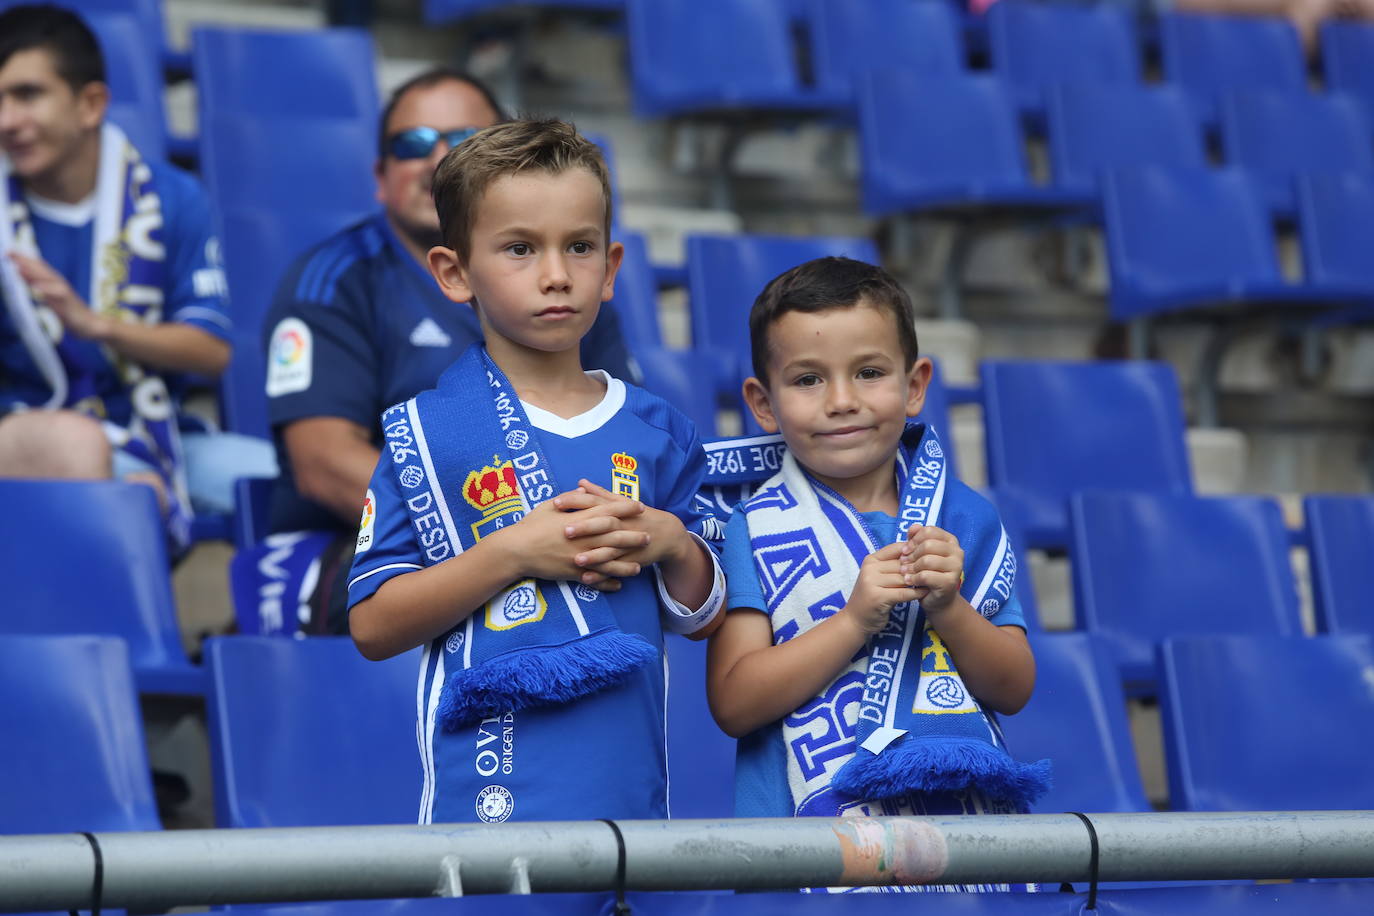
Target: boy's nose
[
  {"x": 555, "y": 273},
  {"x": 841, "y": 399}
]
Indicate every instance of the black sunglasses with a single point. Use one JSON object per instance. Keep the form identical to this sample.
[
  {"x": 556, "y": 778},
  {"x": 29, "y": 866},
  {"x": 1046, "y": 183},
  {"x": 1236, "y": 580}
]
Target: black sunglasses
[{"x": 419, "y": 142}]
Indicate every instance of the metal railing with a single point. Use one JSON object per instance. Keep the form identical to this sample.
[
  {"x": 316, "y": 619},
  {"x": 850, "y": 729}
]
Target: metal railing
[{"x": 159, "y": 870}]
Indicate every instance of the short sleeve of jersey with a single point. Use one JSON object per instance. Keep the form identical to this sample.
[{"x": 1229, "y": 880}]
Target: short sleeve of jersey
[
  {"x": 322, "y": 355},
  {"x": 196, "y": 292},
  {"x": 737, "y": 558},
  {"x": 386, "y": 541}
]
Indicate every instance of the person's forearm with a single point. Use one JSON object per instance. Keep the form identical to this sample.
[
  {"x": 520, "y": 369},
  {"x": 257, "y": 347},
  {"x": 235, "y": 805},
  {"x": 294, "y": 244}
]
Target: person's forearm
[
  {"x": 413, "y": 608},
  {"x": 772, "y": 682},
  {"x": 690, "y": 573},
  {"x": 167, "y": 346},
  {"x": 995, "y": 663},
  {"x": 337, "y": 478}
]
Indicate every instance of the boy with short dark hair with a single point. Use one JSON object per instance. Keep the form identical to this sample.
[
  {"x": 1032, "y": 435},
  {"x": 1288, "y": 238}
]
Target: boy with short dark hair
[
  {"x": 870, "y": 592},
  {"x": 542, "y": 692}
]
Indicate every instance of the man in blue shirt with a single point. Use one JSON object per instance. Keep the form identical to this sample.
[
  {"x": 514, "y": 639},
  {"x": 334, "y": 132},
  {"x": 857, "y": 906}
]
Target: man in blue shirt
[
  {"x": 109, "y": 276},
  {"x": 359, "y": 324}
]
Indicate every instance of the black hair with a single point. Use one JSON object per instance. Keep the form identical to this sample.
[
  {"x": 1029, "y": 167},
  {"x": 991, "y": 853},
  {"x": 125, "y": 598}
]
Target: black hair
[
  {"x": 825, "y": 284},
  {"x": 432, "y": 77},
  {"x": 76, "y": 53}
]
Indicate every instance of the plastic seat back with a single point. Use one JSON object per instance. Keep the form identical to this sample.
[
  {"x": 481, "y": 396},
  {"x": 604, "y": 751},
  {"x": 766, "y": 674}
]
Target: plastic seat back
[
  {"x": 1077, "y": 718},
  {"x": 1264, "y": 723},
  {"x": 725, "y": 274},
  {"x": 309, "y": 733},
  {"x": 1179, "y": 237},
  {"x": 1208, "y": 55},
  {"x": 316, "y": 73},
  {"x": 113, "y": 533},
  {"x": 1336, "y": 223},
  {"x": 636, "y": 295},
  {"x": 1037, "y": 45},
  {"x": 1347, "y": 50},
  {"x": 1097, "y": 126},
  {"x": 701, "y": 758},
  {"x": 1341, "y": 531},
  {"x": 851, "y": 38},
  {"x": 942, "y": 139},
  {"x": 1053, "y": 428},
  {"x": 74, "y": 758},
  {"x": 747, "y": 43},
  {"x": 1147, "y": 566},
  {"x": 1279, "y": 135},
  {"x": 135, "y": 79}
]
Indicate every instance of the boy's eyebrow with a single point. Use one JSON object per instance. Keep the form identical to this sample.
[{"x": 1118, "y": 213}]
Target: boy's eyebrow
[
  {"x": 807, "y": 362},
  {"x": 525, "y": 230}
]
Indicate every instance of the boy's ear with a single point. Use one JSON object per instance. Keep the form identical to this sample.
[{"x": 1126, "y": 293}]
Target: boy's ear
[
  {"x": 760, "y": 405},
  {"x": 449, "y": 273},
  {"x": 92, "y": 101},
  {"x": 614, "y": 255},
  {"x": 917, "y": 381}
]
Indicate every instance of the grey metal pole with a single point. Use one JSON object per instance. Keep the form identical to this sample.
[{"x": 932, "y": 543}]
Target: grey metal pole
[{"x": 202, "y": 867}]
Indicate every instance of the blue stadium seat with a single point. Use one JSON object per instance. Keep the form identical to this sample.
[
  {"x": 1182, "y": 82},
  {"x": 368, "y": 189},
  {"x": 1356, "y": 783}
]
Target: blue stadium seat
[
  {"x": 1266, "y": 723},
  {"x": 716, "y": 56},
  {"x": 1279, "y": 135},
  {"x": 946, "y": 145},
  {"x": 320, "y": 73},
  {"x": 1336, "y": 224},
  {"x": 850, "y": 38},
  {"x": 701, "y": 758},
  {"x": 724, "y": 276},
  {"x": 1035, "y": 46},
  {"x": 676, "y": 376},
  {"x": 1147, "y": 566},
  {"x": 1347, "y": 50},
  {"x": 1093, "y": 127},
  {"x": 150, "y": 24},
  {"x": 438, "y": 12},
  {"x": 74, "y": 757},
  {"x": 1188, "y": 240},
  {"x": 308, "y": 733},
  {"x": 1340, "y": 530},
  {"x": 134, "y": 79},
  {"x": 1209, "y": 55},
  {"x": 636, "y": 294},
  {"x": 112, "y": 532},
  {"x": 1054, "y": 428},
  {"x": 1077, "y": 718}
]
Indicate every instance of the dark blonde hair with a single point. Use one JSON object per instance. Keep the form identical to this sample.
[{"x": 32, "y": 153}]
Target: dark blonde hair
[{"x": 512, "y": 148}]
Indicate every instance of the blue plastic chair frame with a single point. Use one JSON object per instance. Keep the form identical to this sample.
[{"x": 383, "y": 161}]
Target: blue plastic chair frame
[
  {"x": 1340, "y": 531},
  {"x": 1347, "y": 52},
  {"x": 850, "y": 38},
  {"x": 1208, "y": 55}
]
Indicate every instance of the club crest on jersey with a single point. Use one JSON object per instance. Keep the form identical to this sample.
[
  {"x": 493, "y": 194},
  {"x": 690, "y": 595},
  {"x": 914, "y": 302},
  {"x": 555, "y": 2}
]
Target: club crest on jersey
[
  {"x": 624, "y": 481},
  {"x": 520, "y": 604},
  {"x": 494, "y": 492}
]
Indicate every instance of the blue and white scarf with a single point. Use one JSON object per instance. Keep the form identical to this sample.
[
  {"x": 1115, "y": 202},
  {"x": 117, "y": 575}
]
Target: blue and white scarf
[
  {"x": 469, "y": 463},
  {"x": 899, "y": 719},
  {"x": 127, "y": 270}
]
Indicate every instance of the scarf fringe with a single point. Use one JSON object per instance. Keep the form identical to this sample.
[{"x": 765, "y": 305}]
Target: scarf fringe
[
  {"x": 942, "y": 764},
  {"x": 541, "y": 677}
]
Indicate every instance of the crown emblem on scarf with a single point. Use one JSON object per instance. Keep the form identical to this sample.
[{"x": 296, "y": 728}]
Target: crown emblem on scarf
[{"x": 492, "y": 489}]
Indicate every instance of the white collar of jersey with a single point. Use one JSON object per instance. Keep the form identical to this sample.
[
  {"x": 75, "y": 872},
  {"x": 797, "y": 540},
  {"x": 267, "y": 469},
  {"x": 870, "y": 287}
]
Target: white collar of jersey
[
  {"x": 55, "y": 211},
  {"x": 586, "y": 422}
]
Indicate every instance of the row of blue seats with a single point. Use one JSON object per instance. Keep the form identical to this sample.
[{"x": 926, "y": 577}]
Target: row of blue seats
[
  {"x": 298, "y": 726},
  {"x": 1031, "y": 46}
]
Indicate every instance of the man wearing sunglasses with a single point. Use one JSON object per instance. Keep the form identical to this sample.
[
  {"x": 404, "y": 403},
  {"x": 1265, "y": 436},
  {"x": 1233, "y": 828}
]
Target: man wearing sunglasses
[{"x": 359, "y": 324}]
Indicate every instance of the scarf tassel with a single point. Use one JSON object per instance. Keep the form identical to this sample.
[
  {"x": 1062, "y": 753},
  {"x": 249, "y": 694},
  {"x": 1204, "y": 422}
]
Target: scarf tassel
[
  {"x": 541, "y": 676},
  {"x": 944, "y": 764}
]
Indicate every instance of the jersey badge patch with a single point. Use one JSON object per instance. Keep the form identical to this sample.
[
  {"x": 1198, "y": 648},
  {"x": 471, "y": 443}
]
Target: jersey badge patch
[
  {"x": 289, "y": 358},
  {"x": 428, "y": 334},
  {"x": 624, "y": 481},
  {"x": 368, "y": 522}
]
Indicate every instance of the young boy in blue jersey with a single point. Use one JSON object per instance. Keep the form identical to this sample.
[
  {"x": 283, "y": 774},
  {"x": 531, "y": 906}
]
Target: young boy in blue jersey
[
  {"x": 529, "y": 523},
  {"x": 870, "y": 592}
]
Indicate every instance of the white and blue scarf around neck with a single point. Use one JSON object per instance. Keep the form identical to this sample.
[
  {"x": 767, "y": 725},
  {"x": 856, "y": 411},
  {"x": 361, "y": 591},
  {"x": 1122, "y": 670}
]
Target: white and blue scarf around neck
[
  {"x": 127, "y": 273},
  {"x": 470, "y": 463},
  {"x": 915, "y": 727}
]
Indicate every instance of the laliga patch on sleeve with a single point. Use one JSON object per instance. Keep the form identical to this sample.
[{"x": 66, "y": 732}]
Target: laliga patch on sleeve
[
  {"x": 367, "y": 523},
  {"x": 289, "y": 358}
]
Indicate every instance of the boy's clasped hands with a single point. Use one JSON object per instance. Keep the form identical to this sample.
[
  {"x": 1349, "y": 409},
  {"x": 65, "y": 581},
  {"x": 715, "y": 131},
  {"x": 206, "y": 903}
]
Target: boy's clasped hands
[
  {"x": 593, "y": 536},
  {"x": 927, "y": 567}
]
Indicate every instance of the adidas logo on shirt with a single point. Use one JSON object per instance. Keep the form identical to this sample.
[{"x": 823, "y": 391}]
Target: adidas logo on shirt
[{"x": 428, "y": 334}]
